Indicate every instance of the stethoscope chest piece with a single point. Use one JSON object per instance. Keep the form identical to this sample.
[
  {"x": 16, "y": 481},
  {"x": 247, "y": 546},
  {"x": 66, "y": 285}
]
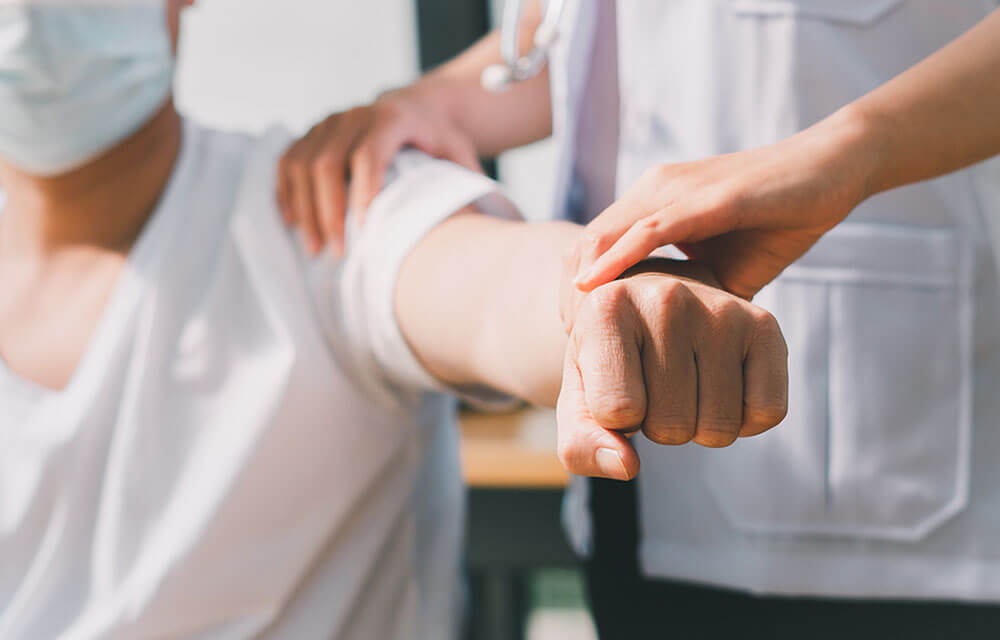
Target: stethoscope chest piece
[{"x": 516, "y": 67}]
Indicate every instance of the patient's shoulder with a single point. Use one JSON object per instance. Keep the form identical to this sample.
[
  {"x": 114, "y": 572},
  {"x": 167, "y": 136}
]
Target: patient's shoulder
[{"x": 222, "y": 203}]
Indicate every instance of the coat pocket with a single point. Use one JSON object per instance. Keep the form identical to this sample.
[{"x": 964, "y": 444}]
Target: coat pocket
[
  {"x": 856, "y": 12},
  {"x": 878, "y": 320}
]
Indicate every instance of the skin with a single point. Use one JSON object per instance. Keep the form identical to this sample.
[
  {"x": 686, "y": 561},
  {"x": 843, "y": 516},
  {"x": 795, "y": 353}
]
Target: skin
[
  {"x": 680, "y": 360},
  {"x": 493, "y": 286},
  {"x": 64, "y": 240},
  {"x": 746, "y": 215},
  {"x": 446, "y": 114},
  {"x": 750, "y": 214}
]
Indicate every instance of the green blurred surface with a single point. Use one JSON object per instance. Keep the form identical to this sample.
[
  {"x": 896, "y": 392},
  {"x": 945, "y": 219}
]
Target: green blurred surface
[{"x": 557, "y": 589}]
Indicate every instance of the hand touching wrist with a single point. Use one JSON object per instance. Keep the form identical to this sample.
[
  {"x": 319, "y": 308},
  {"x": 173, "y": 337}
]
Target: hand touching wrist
[{"x": 746, "y": 215}]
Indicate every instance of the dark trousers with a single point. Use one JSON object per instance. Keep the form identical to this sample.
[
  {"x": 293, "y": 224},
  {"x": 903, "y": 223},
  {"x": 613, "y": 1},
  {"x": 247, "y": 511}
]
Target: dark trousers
[{"x": 628, "y": 606}]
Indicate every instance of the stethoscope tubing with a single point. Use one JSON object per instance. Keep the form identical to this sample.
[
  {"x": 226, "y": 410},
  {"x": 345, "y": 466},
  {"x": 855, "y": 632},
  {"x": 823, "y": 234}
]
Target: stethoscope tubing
[{"x": 516, "y": 67}]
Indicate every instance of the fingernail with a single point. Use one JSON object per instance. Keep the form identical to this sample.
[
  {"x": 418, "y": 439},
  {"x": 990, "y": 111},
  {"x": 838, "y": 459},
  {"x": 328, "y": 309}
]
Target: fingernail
[
  {"x": 581, "y": 280},
  {"x": 611, "y": 464}
]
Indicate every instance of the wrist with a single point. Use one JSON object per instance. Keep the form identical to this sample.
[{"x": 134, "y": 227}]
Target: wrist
[
  {"x": 428, "y": 93},
  {"x": 450, "y": 97},
  {"x": 684, "y": 269},
  {"x": 444, "y": 93},
  {"x": 857, "y": 151}
]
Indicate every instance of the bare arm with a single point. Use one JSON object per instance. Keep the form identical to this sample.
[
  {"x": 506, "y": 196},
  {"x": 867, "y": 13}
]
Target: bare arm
[
  {"x": 495, "y": 122},
  {"x": 495, "y": 302},
  {"x": 941, "y": 115},
  {"x": 477, "y": 300}
]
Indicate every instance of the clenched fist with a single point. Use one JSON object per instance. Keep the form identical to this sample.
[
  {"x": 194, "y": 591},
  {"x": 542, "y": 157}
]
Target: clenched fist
[{"x": 679, "y": 360}]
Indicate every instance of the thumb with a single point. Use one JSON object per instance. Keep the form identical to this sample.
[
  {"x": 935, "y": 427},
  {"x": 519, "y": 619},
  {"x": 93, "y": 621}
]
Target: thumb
[{"x": 585, "y": 448}]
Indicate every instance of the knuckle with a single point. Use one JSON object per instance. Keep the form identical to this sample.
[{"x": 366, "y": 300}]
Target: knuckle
[
  {"x": 607, "y": 302},
  {"x": 650, "y": 225},
  {"x": 658, "y": 173},
  {"x": 728, "y": 316},
  {"x": 672, "y": 288},
  {"x": 730, "y": 310},
  {"x": 765, "y": 323},
  {"x": 593, "y": 243},
  {"x": 617, "y": 411},
  {"x": 673, "y": 296}
]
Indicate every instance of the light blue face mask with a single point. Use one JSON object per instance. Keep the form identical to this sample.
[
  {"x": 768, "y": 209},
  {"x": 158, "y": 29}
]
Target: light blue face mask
[{"x": 76, "y": 80}]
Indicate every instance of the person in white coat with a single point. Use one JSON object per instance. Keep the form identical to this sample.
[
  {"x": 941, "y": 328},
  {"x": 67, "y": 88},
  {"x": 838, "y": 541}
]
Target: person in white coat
[
  {"x": 852, "y": 141},
  {"x": 206, "y": 434}
]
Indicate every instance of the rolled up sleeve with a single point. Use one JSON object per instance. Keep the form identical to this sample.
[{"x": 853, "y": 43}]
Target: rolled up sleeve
[{"x": 420, "y": 193}]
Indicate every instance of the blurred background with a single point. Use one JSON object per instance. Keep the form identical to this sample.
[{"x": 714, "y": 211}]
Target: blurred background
[{"x": 251, "y": 64}]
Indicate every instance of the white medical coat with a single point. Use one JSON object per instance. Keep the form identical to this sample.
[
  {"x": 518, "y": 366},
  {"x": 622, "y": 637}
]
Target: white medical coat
[
  {"x": 882, "y": 481},
  {"x": 247, "y": 448}
]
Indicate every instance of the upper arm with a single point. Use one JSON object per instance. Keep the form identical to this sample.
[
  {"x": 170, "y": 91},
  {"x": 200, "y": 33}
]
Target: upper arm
[
  {"x": 446, "y": 294},
  {"x": 478, "y": 302},
  {"x": 419, "y": 200}
]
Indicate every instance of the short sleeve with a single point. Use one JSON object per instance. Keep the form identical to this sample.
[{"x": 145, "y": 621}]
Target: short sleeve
[{"x": 420, "y": 192}]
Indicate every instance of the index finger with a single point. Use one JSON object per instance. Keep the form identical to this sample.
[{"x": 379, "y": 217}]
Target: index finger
[{"x": 604, "y": 231}]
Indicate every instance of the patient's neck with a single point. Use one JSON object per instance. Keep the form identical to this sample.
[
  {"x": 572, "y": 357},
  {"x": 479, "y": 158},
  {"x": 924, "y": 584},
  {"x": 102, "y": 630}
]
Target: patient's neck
[{"x": 103, "y": 204}]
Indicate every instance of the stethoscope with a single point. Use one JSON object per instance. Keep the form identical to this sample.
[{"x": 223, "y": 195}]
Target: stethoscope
[{"x": 515, "y": 67}]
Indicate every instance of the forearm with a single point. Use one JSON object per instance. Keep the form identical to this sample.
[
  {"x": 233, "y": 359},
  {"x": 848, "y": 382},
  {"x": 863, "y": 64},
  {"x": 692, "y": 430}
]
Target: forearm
[
  {"x": 495, "y": 121},
  {"x": 478, "y": 302},
  {"x": 935, "y": 118}
]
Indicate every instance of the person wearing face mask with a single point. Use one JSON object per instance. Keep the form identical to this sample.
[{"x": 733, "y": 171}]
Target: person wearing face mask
[{"x": 205, "y": 433}]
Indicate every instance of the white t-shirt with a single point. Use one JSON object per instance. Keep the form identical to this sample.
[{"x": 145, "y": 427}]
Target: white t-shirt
[{"x": 246, "y": 447}]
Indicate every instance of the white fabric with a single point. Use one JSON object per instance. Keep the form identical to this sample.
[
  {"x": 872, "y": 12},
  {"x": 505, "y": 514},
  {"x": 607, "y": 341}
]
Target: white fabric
[
  {"x": 569, "y": 67},
  {"x": 245, "y": 449},
  {"x": 882, "y": 481},
  {"x": 596, "y": 158}
]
